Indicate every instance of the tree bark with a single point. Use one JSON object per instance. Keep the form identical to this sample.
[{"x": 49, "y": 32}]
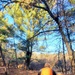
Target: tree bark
[
  {"x": 4, "y": 64},
  {"x": 28, "y": 53}
]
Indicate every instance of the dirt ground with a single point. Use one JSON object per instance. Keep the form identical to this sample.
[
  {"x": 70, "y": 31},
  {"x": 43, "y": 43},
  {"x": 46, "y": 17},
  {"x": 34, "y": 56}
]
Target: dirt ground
[
  {"x": 22, "y": 72},
  {"x": 14, "y": 71}
]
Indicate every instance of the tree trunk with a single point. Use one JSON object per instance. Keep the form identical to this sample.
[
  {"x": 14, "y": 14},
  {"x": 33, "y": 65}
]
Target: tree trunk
[
  {"x": 70, "y": 53},
  {"x": 4, "y": 64},
  {"x": 64, "y": 57},
  {"x": 28, "y": 53},
  {"x": 16, "y": 58}
]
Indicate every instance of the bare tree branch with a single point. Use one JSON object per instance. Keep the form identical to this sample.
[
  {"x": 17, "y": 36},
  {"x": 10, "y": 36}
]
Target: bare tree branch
[
  {"x": 8, "y": 2},
  {"x": 40, "y": 7}
]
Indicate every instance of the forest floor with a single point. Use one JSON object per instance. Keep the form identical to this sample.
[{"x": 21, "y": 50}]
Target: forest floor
[{"x": 14, "y": 71}]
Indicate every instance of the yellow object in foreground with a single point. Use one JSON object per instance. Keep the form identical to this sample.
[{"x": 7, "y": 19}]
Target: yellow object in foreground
[{"x": 46, "y": 71}]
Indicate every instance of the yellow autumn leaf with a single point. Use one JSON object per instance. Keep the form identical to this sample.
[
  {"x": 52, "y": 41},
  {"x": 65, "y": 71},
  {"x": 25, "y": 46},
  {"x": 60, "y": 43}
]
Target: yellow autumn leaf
[
  {"x": 16, "y": 6},
  {"x": 18, "y": 20},
  {"x": 29, "y": 33},
  {"x": 1, "y": 14},
  {"x": 2, "y": 37}
]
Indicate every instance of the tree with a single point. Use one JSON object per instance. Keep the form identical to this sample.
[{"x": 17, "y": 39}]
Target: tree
[
  {"x": 30, "y": 25},
  {"x": 5, "y": 32},
  {"x": 3, "y": 36},
  {"x": 55, "y": 17}
]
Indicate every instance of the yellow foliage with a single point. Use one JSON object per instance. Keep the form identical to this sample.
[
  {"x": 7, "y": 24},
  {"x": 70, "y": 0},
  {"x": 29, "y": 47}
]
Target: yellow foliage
[
  {"x": 16, "y": 6},
  {"x": 36, "y": 22},
  {"x": 18, "y": 12},
  {"x": 29, "y": 33},
  {"x": 18, "y": 20},
  {"x": 25, "y": 1},
  {"x": 22, "y": 28},
  {"x": 4, "y": 27},
  {"x": 72, "y": 1},
  {"x": 40, "y": 4},
  {"x": 23, "y": 16},
  {"x": 1, "y": 14},
  {"x": 2, "y": 37}
]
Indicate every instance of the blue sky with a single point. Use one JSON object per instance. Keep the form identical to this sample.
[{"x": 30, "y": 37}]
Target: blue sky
[
  {"x": 10, "y": 19},
  {"x": 53, "y": 43},
  {"x": 50, "y": 44}
]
